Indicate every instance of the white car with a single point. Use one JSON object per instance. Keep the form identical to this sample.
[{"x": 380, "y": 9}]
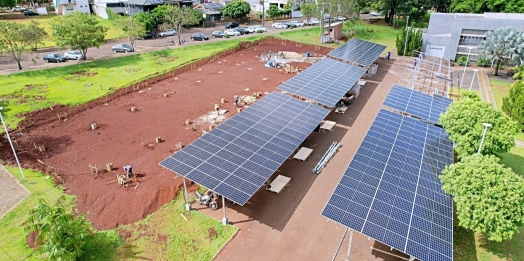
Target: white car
[
  {"x": 297, "y": 24},
  {"x": 279, "y": 26},
  {"x": 168, "y": 32},
  {"x": 18, "y": 9},
  {"x": 341, "y": 18},
  {"x": 257, "y": 28},
  {"x": 74, "y": 55},
  {"x": 312, "y": 21},
  {"x": 232, "y": 32},
  {"x": 375, "y": 14}
]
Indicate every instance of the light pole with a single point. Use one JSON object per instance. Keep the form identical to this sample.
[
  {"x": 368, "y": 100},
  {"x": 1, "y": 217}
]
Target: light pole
[
  {"x": 463, "y": 73},
  {"x": 406, "y": 41},
  {"x": 486, "y": 126},
  {"x": 263, "y": 12},
  {"x": 471, "y": 84},
  {"x": 10, "y": 142},
  {"x": 224, "y": 219}
]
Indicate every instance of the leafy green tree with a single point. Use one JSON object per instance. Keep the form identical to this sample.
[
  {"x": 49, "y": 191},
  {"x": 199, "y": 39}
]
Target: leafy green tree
[
  {"x": 112, "y": 15},
  {"x": 37, "y": 34},
  {"x": 15, "y": 38},
  {"x": 146, "y": 19},
  {"x": 519, "y": 74},
  {"x": 308, "y": 10},
  {"x": 7, "y": 3},
  {"x": 132, "y": 28},
  {"x": 463, "y": 123},
  {"x": 61, "y": 236},
  {"x": 273, "y": 12},
  {"x": 79, "y": 31},
  {"x": 159, "y": 13},
  {"x": 481, "y": 6},
  {"x": 513, "y": 105},
  {"x": 489, "y": 197},
  {"x": 198, "y": 17},
  {"x": 237, "y": 9},
  {"x": 503, "y": 43},
  {"x": 471, "y": 95},
  {"x": 414, "y": 41},
  {"x": 176, "y": 17}
]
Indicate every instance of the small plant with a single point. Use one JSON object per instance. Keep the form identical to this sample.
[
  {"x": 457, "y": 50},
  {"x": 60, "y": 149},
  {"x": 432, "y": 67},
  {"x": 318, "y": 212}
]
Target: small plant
[
  {"x": 462, "y": 60},
  {"x": 260, "y": 31},
  {"x": 501, "y": 67},
  {"x": 483, "y": 62},
  {"x": 226, "y": 36}
]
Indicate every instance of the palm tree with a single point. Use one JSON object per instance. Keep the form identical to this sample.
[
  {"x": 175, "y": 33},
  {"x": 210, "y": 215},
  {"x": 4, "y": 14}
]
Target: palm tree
[
  {"x": 60, "y": 235},
  {"x": 503, "y": 43}
]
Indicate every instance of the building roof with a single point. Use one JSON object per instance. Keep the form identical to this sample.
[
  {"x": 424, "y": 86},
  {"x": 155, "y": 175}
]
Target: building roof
[
  {"x": 497, "y": 16},
  {"x": 118, "y": 10},
  {"x": 332, "y": 24}
]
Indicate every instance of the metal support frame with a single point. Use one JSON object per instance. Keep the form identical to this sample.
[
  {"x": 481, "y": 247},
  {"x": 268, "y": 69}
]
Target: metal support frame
[
  {"x": 464, "y": 72},
  {"x": 424, "y": 75},
  {"x": 224, "y": 219},
  {"x": 11, "y": 143},
  {"x": 188, "y": 205},
  {"x": 472, "y": 79}
]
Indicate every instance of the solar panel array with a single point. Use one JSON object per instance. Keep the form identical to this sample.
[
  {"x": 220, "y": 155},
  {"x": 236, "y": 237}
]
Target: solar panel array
[
  {"x": 358, "y": 51},
  {"x": 237, "y": 157},
  {"x": 324, "y": 82},
  {"x": 425, "y": 106},
  {"x": 391, "y": 190}
]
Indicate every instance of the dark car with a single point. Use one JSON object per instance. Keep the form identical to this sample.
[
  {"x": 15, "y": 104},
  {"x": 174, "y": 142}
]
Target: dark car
[
  {"x": 199, "y": 37},
  {"x": 219, "y": 34},
  {"x": 148, "y": 35},
  {"x": 241, "y": 30},
  {"x": 30, "y": 13},
  {"x": 232, "y": 25},
  {"x": 54, "y": 57},
  {"x": 122, "y": 48},
  {"x": 289, "y": 24}
]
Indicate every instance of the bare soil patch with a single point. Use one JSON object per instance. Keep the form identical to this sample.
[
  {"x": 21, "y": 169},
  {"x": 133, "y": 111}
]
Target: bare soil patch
[{"x": 126, "y": 137}]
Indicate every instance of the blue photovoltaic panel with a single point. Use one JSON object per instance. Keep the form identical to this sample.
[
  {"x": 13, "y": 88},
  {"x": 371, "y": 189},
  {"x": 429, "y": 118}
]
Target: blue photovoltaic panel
[
  {"x": 358, "y": 51},
  {"x": 237, "y": 157},
  {"x": 425, "y": 106},
  {"x": 391, "y": 189},
  {"x": 324, "y": 82}
]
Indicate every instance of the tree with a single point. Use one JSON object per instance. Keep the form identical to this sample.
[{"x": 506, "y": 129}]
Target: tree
[
  {"x": 37, "y": 33},
  {"x": 503, "y": 43},
  {"x": 131, "y": 27},
  {"x": 78, "y": 31},
  {"x": 308, "y": 10},
  {"x": 273, "y": 11},
  {"x": 15, "y": 38},
  {"x": 481, "y": 6},
  {"x": 513, "y": 105},
  {"x": 489, "y": 198},
  {"x": 146, "y": 19},
  {"x": 60, "y": 235},
  {"x": 463, "y": 123},
  {"x": 414, "y": 41},
  {"x": 159, "y": 13},
  {"x": 237, "y": 9},
  {"x": 176, "y": 17},
  {"x": 7, "y": 3}
]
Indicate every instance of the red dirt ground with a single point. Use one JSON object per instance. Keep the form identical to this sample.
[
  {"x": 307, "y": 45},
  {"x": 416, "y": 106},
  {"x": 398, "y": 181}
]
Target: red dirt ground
[{"x": 124, "y": 137}]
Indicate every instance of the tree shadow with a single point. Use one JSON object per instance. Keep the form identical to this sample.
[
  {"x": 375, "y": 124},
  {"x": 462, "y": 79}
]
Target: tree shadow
[
  {"x": 514, "y": 161},
  {"x": 464, "y": 247},
  {"x": 507, "y": 250},
  {"x": 108, "y": 246}
]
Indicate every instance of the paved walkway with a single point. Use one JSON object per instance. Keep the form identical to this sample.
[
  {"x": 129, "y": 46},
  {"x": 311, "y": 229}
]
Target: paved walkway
[{"x": 11, "y": 192}]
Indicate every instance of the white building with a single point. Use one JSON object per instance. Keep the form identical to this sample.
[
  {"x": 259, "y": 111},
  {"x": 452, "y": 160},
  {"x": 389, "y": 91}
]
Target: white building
[
  {"x": 64, "y": 7},
  {"x": 117, "y": 6}
]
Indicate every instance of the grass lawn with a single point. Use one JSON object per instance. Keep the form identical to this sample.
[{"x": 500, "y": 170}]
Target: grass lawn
[
  {"x": 113, "y": 32},
  {"x": 500, "y": 89},
  {"x": 163, "y": 235},
  {"x": 33, "y": 90},
  {"x": 381, "y": 34}
]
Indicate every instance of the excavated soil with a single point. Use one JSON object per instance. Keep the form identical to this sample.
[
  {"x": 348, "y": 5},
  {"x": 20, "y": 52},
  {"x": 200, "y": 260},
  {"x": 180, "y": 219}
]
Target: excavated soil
[{"x": 124, "y": 137}]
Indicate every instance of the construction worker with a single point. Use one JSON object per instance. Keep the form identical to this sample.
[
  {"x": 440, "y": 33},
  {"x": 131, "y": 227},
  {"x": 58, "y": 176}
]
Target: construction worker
[
  {"x": 235, "y": 98},
  {"x": 129, "y": 171}
]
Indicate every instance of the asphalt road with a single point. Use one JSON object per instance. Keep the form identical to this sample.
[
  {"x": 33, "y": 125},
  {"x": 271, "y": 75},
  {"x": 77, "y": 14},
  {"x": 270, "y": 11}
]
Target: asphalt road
[{"x": 35, "y": 60}]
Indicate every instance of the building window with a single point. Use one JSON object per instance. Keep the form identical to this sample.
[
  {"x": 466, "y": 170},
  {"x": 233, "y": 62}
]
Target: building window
[{"x": 70, "y": 8}]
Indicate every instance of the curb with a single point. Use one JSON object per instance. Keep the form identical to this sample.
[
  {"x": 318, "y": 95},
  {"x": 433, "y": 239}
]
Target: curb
[{"x": 225, "y": 244}]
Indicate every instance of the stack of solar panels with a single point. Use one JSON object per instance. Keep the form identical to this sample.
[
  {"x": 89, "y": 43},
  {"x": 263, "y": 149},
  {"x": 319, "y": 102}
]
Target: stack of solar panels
[
  {"x": 358, "y": 51},
  {"x": 237, "y": 157},
  {"x": 391, "y": 190}
]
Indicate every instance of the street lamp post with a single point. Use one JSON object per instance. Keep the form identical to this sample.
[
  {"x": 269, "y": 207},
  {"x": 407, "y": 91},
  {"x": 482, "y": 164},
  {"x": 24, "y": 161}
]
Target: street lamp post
[
  {"x": 463, "y": 73},
  {"x": 11, "y": 143},
  {"x": 486, "y": 126},
  {"x": 472, "y": 79}
]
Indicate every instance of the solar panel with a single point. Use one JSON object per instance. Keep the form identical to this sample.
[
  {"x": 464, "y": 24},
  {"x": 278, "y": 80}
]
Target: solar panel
[
  {"x": 358, "y": 51},
  {"x": 237, "y": 157},
  {"x": 324, "y": 82},
  {"x": 391, "y": 190},
  {"x": 425, "y": 106}
]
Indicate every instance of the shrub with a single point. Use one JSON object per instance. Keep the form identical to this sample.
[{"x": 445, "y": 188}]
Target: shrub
[
  {"x": 483, "y": 62},
  {"x": 462, "y": 60}
]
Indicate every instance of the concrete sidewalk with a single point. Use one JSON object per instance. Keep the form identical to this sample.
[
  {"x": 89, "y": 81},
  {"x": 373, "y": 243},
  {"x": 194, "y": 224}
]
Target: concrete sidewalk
[{"x": 11, "y": 192}]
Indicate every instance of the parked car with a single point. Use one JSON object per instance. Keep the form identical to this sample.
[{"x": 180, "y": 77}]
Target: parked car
[
  {"x": 297, "y": 24},
  {"x": 375, "y": 14},
  {"x": 279, "y": 26},
  {"x": 168, "y": 32},
  {"x": 250, "y": 30},
  {"x": 241, "y": 30},
  {"x": 18, "y": 9},
  {"x": 232, "y": 25},
  {"x": 54, "y": 57},
  {"x": 312, "y": 21},
  {"x": 122, "y": 48},
  {"x": 256, "y": 29},
  {"x": 148, "y": 35},
  {"x": 364, "y": 12},
  {"x": 74, "y": 55},
  {"x": 219, "y": 34},
  {"x": 232, "y": 32},
  {"x": 341, "y": 18},
  {"x": 30, "y": 13},
  {"x": 199, "y": 37},
  {"x": 289, "y": 24}
]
